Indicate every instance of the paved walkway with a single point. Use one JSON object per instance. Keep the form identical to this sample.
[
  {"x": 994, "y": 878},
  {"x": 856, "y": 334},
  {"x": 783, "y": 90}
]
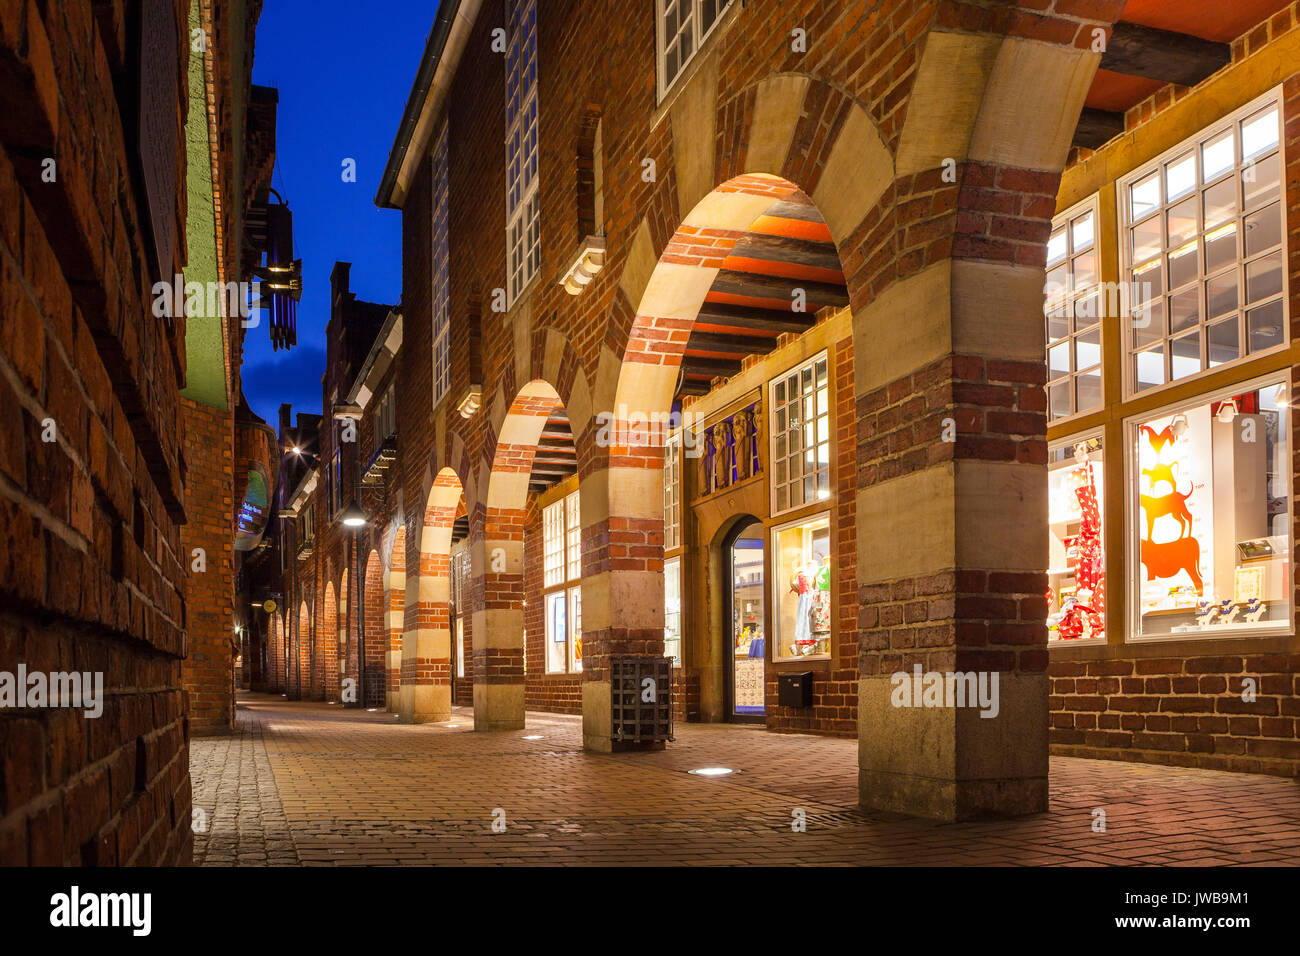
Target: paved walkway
[{"x": 317, "y": 785}]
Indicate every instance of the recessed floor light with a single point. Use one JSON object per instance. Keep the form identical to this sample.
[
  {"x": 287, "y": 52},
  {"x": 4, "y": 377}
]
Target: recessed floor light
[
  {"x": 452, "y": 726},
  {"x": 372, "y": 710},
  {"x": 712, "y": 771},
  {"x": 534, "y": 737}
]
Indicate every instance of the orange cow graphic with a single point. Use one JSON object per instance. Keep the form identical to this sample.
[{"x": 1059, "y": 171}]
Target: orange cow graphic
[
  {"x": 1172, "y": 504},
  {"x": 1164, "y": 559}
]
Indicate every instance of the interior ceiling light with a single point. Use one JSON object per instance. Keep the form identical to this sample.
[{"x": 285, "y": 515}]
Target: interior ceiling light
[{"x": 1228, "y": 411}]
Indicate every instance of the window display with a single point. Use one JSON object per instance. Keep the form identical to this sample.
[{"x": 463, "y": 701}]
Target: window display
[
  {"x": 1213, "y": 516},
  {"x": 802, "y": 563},
  {"x": 673, "y": 610},
  {"x": 1076, "y": 576},
  {"x": 561, "y": 570}
]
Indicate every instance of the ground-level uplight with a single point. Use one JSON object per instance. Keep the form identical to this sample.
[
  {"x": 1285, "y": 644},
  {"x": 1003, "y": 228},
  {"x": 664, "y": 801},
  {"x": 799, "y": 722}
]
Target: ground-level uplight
[
  {"x": 711, "y": 771},
  {"x": 534, "y": 737}
]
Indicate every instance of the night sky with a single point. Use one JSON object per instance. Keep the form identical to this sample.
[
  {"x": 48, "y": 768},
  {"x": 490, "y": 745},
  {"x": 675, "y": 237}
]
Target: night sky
[{"x": 343, "y": 70}]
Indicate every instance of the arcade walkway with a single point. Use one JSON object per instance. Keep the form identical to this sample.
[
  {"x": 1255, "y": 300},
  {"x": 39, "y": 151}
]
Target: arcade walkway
[{"x": 307, "y": 783}]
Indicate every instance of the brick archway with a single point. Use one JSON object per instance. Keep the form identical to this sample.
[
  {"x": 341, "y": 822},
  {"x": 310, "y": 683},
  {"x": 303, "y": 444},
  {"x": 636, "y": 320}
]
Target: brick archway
[
  {"x": 394, "y": 609},
  {"x": 327, "y": 643}
]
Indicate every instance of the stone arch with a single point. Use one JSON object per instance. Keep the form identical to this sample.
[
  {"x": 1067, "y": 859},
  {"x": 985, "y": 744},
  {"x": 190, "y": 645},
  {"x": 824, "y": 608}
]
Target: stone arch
[
  {"x": 425, "y": 690},
  {"x": 344, "y": 637},
  {"x": 302, "y": 658}
]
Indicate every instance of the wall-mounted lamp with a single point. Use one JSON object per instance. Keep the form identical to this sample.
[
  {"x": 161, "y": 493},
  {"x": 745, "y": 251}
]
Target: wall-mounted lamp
[{"x": 470, "y": 402}]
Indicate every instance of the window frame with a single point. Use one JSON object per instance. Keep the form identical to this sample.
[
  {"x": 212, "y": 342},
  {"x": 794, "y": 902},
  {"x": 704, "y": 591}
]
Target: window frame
[
  {"x": 1065, "y": 219},
  {"x": 440, "y": 229},
  {"x": 776, "y": 591},
  {"x": 524, "y": 212},
  {"x": 1194, "y": 146},
  {"x": 664, "y": 84},
  {"x": 562, "y": 547},
  {"x": 1132, "y": 515},
  {"x": 773, "y": 435},
  {"x": 676, "y": 564},
  {"x": 673, "y": 492}
]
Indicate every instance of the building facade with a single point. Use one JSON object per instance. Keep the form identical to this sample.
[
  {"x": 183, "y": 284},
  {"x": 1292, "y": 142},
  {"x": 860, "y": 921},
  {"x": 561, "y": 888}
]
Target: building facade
[{"x": 794, "y": 344}]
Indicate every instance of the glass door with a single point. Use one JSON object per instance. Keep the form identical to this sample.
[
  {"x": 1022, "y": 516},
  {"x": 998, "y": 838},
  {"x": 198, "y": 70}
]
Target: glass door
[{"x": 746, "y": 621}]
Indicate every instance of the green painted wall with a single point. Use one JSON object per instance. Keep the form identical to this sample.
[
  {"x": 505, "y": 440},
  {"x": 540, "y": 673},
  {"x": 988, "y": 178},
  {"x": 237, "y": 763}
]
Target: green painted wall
[{"x": 205, "y": 366}]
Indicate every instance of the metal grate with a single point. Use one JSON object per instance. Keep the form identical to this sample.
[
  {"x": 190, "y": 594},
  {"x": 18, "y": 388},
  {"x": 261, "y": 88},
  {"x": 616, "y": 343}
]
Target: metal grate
[{"x": 635, "y": 719}]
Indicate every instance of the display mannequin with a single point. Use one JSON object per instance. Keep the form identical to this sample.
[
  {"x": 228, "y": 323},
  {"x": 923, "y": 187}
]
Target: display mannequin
[{"x": 822, "y": 608}]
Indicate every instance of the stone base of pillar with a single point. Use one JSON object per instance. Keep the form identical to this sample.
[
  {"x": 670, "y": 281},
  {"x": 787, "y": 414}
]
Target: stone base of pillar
[
  {"x": 431, "y": 703},
  {"x": 597, "y": 721},
  {"x": 496, "y": 707},
  {"x": 950, "y": 763}
]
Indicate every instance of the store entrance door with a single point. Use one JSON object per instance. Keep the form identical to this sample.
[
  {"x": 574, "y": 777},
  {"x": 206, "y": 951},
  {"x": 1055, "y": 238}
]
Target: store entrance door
[{"x": 746, "y": 647}]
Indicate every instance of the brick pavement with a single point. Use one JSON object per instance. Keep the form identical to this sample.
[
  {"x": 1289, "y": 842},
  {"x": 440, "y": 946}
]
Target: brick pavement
[{"x": 310, "y": 783}]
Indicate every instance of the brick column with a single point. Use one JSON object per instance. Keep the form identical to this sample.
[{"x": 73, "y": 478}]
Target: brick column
[{"x": 497, "y": 555}]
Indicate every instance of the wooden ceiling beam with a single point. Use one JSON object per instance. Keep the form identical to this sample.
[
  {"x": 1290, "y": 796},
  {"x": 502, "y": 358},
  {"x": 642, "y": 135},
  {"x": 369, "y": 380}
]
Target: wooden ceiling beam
[
  {"x": 776, "y": 287},
  {"x": 1163, "y": 55},
  {"x": 1097, "y": 127}
]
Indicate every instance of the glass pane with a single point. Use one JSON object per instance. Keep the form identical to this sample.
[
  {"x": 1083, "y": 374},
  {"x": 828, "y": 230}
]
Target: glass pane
[
  {"x": 1264, "y": 277},
  {"x": 1089, "y": 389},
  {"x": 1263, "y": 229},
  {"x": 1260, "y": 181},
  {"x": 1180, "y": 176},
  {"x": 1144, "y": 196},
  {"x": 1087, "y": 311},
  {"x": 1057, "y": 326},
  {"x": 1220, "y": 202},
  {"x": 1221, "y": 294},
  {"x": 1182, "y": 265},
  {"x": 1217, "y": 155},
  {"x": 1085, "y": 271},
  {"x": 1058, "y": 283},
  {"x": 1056, "y": 247},
  {"x": 1148, "y": 281},
  {"x": 1150, "y": 367},
  {"x": 1221, "y": 341},
  {"x": 1182, "y": 222},
  {"x": 1058, "y": 360},
  {"x": 1146, "y": 239},
  {"x": 1259, "y": 132},
  {"x": 1264, "y": 326},
  {"x": 1058, "y": 398},
  {"x": 1081, "y": 231},
  {"x": 1220, "y": 247},
  {"x": 1185, "y": 309},
  {"x": 1149, "y": 326},
  {"x": 1087, "y": 348},
  {"x": 1185, "y": 355}
]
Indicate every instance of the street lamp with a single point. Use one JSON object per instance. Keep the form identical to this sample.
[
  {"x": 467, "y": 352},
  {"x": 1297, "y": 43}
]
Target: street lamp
[{"x": 354, "y": 517}]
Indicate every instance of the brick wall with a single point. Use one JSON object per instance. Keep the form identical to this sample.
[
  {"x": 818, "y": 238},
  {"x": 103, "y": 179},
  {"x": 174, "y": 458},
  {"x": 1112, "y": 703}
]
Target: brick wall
[
  {"x": 208, "y": 673},
  {"x": 90, "y": 479}
]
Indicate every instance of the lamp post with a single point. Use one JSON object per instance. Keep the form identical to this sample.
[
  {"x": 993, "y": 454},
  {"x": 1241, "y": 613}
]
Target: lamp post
[{"x": 355, "y": 519}]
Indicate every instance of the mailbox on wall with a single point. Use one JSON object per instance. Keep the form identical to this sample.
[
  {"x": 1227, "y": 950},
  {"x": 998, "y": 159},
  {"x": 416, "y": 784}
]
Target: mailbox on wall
[{"x": 794, "y": 688}]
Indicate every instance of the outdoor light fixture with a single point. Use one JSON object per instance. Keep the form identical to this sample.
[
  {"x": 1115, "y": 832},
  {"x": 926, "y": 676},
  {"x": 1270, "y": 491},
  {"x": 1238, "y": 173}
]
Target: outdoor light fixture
[
  {"x": 353, "y": 516},
  {"x": 591, "y": 259},
  {"x": 533, "y": 737},
  {"x": 470, "y": 401},
  {"x": 712, "y": 771}
]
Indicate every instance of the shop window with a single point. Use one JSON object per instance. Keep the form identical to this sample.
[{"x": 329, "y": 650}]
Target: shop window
[
  {"x": 801, "y": 431},
  {"x": 682, "y": 26},
  {"x": 802, "y": 584},
  {"x": 441, "y": 278},
  {"x": 672, "y": 494},
  {"x": 673, "y": 610},
  {"x": 1202, "y": 250},
  {"x": 1076, "y": 577},
  {"x": 460, "y": 592},
  {"x": 523, "y": 223},
  {"x": 1073, "y": 310},
  {"x": 561, "y": 571},
  {"x": 1211, "y": 487}
]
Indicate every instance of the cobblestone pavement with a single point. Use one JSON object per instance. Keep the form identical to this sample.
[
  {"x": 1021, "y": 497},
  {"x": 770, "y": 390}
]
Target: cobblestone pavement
[{"x": 312, "y": 783}]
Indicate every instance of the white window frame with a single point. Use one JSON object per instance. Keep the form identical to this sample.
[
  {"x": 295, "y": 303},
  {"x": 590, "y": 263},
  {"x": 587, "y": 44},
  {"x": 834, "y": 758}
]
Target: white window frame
[
  {"x": 1193, "y": 146},
  {"x": 698, "y": 36},
  {"x": 774, "y": 434},
  {"x": 523, "y": 207},
  {"x": 562, "y": 574},
  {"x": 673, "y": 568},
  {"x": 673, "y": 492},
  {"x": 1074, "y": 295},
  {"x": 777, "y": 586},
  {"x": 441, "y": 277},
  {"x": 1132, "y": 515}
]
